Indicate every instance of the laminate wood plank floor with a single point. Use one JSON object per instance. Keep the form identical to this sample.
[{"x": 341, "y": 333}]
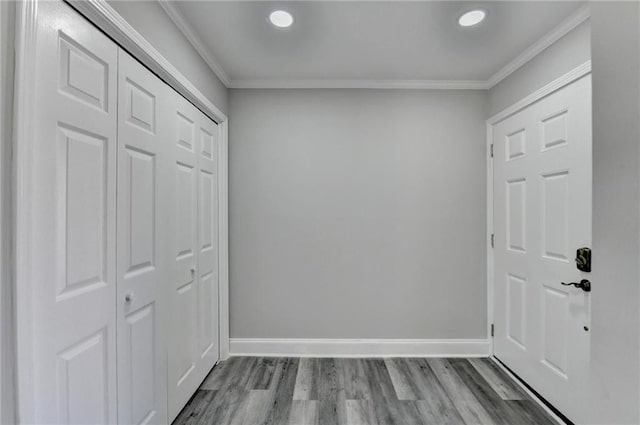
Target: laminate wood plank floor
[{"x": 394, "y": 391}]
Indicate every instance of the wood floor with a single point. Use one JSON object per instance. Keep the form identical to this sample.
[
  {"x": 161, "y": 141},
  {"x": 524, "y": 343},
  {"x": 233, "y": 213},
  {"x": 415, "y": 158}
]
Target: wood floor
[{"x": 300, "y": 391}]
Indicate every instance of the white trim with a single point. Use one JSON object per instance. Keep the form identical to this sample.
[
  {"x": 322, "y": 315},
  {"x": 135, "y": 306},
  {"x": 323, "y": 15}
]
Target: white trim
[
  {"x": 359, "y": 347},
  {"x": 178, "y": 18},
  {"x": 223, "y": 241},
  {"x": 360, "y": 84},
  {"x": 553, "y": 86},
  {"x": 115, "y": 26},
  {"x": 24, "y": 98},
  {"x": 490, "y": 232},
  {"x": 530, "y": 393},
  {"x": 575, "y": 19}
]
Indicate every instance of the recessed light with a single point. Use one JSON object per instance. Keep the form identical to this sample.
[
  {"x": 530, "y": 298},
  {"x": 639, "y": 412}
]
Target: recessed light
[
  {"x": 471, "y": 18},
  {"x": 281, "y": 18}
]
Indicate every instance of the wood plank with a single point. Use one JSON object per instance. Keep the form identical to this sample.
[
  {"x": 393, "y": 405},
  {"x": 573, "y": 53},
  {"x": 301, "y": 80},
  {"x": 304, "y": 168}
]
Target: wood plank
[
  {"x": 360, "y": 412},
  {"x": 304, "y": 412},
  {"x": 282, "y": 385},
  {"x": 356, "y": 382},
  {"x": 257, "y": 407},
  {"x": 500, "y": 382},
  {"x": 439, "y": 407},
  {"x": 533, "y": 413},
  {"x": 388, "y": 408},
  {"x": 261, "y": 378},
  {"x": 332, "y": 408},
  {"x": 232, "y": 397},
  {"x": 404, "y": 383},
  {"x": 306, "y": 387},
  {"x": 195, "y": 408},
  {"x": 500, "y": 411},
  {"x": 462, "y": 397},
  {"x": 220, "y": 374}
]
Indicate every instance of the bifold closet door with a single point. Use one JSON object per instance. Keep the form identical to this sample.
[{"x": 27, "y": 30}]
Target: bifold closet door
[
  {"x": 72, "y": 222},
  {"x": 193, "y": 294},
  {"x": 144, "y": 201},
  {"x": 121, "y": 240}
]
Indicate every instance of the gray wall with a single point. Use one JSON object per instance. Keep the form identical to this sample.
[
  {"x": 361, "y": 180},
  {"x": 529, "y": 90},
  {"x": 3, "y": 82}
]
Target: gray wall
[
  {"x": 7, "y": 11},
  {"x": 615, "y": 327},
  {"x": 570, "y": 51},
  {"x": 357, "y": 214},
  {"x": 150, "y": 20}
]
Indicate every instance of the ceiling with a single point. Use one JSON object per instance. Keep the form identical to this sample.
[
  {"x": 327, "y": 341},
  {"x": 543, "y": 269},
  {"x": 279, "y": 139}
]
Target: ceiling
[{"x": 347, "y": 43}]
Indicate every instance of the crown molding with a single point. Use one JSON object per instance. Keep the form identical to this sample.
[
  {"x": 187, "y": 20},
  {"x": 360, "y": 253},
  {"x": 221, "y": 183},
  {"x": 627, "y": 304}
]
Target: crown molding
[
  {"x": 178, "y": 18},
  {"x": 359, "y": 84},
  {"x": 562, "y": 29},
  {"x": 572, "y": 21}
]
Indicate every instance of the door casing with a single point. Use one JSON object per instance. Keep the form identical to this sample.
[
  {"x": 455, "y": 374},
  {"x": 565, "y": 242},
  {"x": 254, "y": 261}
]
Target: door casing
[{"x": 555, "y": 85}]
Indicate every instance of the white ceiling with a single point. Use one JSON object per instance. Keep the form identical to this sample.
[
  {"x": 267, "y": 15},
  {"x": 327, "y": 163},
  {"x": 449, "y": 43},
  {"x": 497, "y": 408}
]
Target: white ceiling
[{"x": 345, "y": 42}]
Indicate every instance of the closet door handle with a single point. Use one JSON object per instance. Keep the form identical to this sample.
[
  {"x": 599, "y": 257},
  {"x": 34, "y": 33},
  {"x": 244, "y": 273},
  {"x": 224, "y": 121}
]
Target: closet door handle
[{"x": 128, "y": 297}]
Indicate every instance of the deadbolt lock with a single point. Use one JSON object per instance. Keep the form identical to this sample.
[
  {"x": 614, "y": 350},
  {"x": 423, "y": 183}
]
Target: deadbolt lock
[{"x": 583, "y": 259}]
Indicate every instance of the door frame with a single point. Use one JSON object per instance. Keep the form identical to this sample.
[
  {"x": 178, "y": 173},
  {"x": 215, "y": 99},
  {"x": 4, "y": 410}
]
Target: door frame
[
  {"x": 550, "y": 88},
  {"x": 555, "y": 85},
  {"x": 113, "y": 25},
  {"x": 7, "y": 349}
]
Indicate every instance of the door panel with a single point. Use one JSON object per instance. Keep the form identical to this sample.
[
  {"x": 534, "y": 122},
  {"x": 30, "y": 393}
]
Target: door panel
[
  {"x": 194, "y": 291},
  {"x": 73, "y": 221},
  {"x": 208, "y": 243},
  {"x": 142, "y": 244},
  {"x": 542, "y": 213}
]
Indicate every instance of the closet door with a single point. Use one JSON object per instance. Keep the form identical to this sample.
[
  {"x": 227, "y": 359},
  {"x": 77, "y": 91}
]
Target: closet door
[
  {"x": 183, "y": 338},
  {"x": 208, "y": 348},
  {"x": 72, "y": 220},
  {"x": 193, "y": 329},
  {"x": 143, "y": 211}
]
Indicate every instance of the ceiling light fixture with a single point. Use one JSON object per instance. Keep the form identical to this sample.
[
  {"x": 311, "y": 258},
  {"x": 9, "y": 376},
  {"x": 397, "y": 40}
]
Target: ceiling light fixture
[
  {"x": 471, "y": 18},
  {"x": 281, "y": 18}
]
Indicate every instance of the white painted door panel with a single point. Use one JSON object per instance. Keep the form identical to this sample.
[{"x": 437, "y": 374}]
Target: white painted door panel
[
  {"x": 143, "y": 245},
  {"x": 193, "y": 293},
  {"x": 542, "y": 212},
  {"x": 73, "y": 246}
]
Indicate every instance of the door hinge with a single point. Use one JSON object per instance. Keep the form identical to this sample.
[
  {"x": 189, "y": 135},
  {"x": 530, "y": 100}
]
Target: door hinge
[
  {"x": 492, "y": 330},
  {"x": 493, "y": 240},
  {"x": 492, "y": 150}
]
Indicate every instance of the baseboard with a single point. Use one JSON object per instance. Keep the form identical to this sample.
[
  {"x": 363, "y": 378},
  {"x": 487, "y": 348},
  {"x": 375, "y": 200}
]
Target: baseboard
[{"x": 359, "y": 347}]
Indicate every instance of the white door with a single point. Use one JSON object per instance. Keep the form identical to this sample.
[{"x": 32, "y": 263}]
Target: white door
[
  {"x": 542, "y": 213},
  {"x": 143, "y": 245},
  {"x": 193, "y": 328},
  {"x": 73, "y": 222}
]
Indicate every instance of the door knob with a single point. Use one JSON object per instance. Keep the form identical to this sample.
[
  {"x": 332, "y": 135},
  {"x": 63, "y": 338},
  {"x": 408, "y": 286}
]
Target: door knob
[
  {"x": 584, "y": 284},
  {"x": 128, "y": 297}
]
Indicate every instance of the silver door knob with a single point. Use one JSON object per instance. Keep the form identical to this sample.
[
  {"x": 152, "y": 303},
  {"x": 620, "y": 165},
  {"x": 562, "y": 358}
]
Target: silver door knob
[{"x": 128, "y": 297}]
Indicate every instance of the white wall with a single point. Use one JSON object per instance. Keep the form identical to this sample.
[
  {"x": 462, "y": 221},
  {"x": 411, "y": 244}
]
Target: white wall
[
  {"x": 7, "y": 10},
  {"x": 357, "y": 214},
  {"x": 567, "y": 53},
  {"x": 150, "y": 20},
  {"x": 615, "y": 328}
]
